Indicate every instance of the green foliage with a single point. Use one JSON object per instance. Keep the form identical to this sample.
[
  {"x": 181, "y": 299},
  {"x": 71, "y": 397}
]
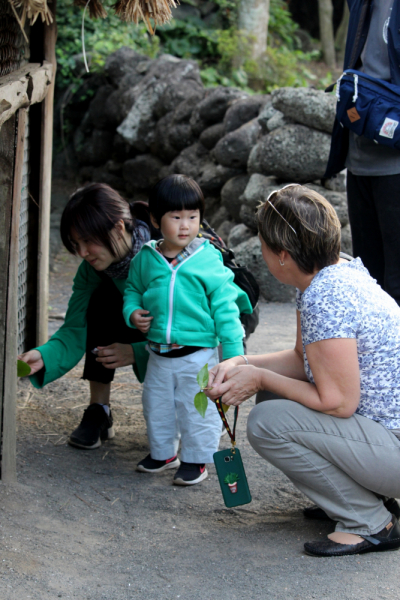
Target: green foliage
[
  {"x": 202, "y": 377},
  {"x": 23, "y": 369},
  {"x": 102, "y": 37},
  {"x": 201, "y": 403},
  {"x": 223, "y": 54}
]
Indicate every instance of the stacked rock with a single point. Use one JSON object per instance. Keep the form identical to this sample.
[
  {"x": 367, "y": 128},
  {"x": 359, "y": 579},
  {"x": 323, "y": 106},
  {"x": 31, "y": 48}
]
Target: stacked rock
[{"x": 151, "y": 118}]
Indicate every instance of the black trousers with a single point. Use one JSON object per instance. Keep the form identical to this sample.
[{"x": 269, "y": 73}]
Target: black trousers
[
  {"x": 374, "y": 212},
  {"x": 105, "y": 326}
]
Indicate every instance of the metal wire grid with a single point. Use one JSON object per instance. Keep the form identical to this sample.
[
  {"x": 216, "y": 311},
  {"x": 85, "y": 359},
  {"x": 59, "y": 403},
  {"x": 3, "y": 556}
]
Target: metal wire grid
[{"x": 23, "y": 246}]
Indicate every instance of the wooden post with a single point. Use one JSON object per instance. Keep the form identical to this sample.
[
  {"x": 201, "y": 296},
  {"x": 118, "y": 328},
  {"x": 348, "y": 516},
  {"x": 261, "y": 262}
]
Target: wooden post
[
  {"x": 8, "y": 462},
  {"x": 50, "y": 35}
]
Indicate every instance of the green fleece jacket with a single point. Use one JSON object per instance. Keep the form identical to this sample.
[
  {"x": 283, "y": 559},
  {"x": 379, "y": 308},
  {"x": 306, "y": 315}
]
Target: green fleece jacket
[
  {"x": 194, "y": 303},
  {"x": 67, "y": 346}
]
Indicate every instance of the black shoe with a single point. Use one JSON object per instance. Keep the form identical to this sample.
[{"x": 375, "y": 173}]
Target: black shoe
[
  {"x": 150, "y": 465},
  {"x": 190, "y": 474},
  {"x": 95, "y": 426},
  {"x": 315, "y": 512},
  {"x": 386, "y": 539}
]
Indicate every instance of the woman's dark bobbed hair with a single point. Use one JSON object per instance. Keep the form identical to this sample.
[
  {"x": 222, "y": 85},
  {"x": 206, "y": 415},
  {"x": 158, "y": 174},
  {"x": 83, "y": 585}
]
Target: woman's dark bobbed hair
[
  {"x": 92, "y": 212},
  {"x": 175, "y": 192}
]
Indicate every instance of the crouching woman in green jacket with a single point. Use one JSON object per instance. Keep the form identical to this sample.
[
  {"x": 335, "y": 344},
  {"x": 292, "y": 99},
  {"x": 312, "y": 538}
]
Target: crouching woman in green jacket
[{"x": 98, "y": 225}]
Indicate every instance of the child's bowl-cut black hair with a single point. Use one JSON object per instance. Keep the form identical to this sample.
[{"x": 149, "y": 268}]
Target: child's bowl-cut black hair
[{"x": 175, "y": 192}]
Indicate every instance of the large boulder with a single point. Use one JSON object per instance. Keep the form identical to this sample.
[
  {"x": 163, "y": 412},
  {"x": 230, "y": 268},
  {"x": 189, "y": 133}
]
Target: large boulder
[
  {"x": 307, "y": 106},
  {"x": 141, "y": 173},
  {"x": 292, "y": 152},
  {"x": 212, "y": 177},
  {"x": 138, "y": 128},
  {"x": 346, "y": 243},
  {"x": 258, "y": 189},
  {"x": 239, "y": 234},
  {"x": 123, "y": 61},
  {"x": 94, "y": 149},
  {"x": 231, "y": 195},
  {"x": 210, "y": 136},
  {"x": 190, "y": 86},
  {"x": 243, "y": 111},
  {"x": 338, "y": 201},
  {"x": 97, "y": 117},
  {"x": 249, "y": 253},
  {"x": 234, "y": 149},
  {"x": 191, "y": 161},
  {"x": 213, "y": 108}
]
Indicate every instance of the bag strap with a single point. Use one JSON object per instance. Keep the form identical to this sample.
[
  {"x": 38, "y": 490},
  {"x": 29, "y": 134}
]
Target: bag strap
[
  {"x": 232, "y": 434},
  {"x": 356, "y": 43}
]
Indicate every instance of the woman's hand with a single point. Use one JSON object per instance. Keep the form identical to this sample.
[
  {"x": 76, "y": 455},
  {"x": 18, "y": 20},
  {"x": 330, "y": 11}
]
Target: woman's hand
[
  {"x": 140, "y": 321},
  {"x": 116, "y": 355},
  {"x": 218, "y": 373},
  {"x": 240, "y": 383},
  {"x": 34, "y": 359}
]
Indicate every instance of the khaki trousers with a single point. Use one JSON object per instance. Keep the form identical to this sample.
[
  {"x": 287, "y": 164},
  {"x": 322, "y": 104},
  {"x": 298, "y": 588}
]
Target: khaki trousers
[{"x": 342, "y": 465}]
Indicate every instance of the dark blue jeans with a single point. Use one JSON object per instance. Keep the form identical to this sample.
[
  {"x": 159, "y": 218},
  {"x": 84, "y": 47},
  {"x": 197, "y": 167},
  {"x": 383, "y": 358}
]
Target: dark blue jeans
[{"x": 374, "y": 212}]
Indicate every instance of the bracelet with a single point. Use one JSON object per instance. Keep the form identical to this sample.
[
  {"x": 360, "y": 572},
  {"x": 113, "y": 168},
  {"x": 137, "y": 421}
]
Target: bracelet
[{"x": 244, "y": 358}]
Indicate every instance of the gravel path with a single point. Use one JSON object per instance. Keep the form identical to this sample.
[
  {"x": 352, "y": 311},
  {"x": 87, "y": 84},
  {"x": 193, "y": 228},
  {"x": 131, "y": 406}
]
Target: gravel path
[{"x": 85, "y": 524}]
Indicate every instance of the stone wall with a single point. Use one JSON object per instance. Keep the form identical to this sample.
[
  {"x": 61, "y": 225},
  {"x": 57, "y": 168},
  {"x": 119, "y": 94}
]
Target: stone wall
[{"x": 151, "y": 118}]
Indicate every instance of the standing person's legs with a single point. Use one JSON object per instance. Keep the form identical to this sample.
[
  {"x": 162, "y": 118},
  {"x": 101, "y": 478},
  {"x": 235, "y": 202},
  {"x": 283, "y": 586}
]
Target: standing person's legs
[
  {"x": 365, "y": 229},
  {"x": 340, "y": 464},
  {"x": 199, "y": 435},
  {"x": 159, "y": 409},
  {"x": 105, "y": 326},
  {"x": 386, "y": 192},
  {"x": 374, "y": 213}
]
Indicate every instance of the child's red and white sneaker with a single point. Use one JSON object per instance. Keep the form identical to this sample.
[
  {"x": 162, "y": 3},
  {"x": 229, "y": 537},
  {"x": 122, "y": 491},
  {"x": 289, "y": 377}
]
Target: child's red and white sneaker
[
  {"x": 190, "y": 474},
  {"x": 150, "y": 465}
]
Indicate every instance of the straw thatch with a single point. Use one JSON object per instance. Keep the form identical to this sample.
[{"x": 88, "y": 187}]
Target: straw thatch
[
  {"x": 12, "y": 43},
  {"x": 31, "y": 10}
]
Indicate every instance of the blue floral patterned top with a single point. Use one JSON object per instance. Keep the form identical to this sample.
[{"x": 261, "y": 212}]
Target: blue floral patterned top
[{"x": 343, "y": 301}]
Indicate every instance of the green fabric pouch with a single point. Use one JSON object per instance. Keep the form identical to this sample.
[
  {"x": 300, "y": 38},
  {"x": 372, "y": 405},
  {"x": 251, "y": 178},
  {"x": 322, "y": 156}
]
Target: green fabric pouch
[
  {"x": 232, "y": 477},
  {"x": 229, "y": 466}
]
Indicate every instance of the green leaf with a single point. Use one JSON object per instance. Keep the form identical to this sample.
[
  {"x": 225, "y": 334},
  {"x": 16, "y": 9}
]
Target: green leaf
[
  {"x": 201, "y": 403},
  {"x": 202, "y": 377},
  {"x": 23, "y": 369}
]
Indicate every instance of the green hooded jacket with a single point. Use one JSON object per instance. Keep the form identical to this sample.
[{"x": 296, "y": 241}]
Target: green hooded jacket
[{"x": 194, "y": 302}]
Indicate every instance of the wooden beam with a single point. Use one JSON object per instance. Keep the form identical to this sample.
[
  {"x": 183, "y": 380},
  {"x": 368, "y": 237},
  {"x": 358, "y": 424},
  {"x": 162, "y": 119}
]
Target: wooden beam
[
  {"x": 8, "y": 461},
  {"x": 7, "y": 154},
  {"x": 23, "y": 87},
  {"x": 50, "y": 35}
]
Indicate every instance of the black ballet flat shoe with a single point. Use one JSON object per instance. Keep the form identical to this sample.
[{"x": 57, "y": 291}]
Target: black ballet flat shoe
[
  {"x": 316, "y": 513},
  {"x": 386, "y": 539}
]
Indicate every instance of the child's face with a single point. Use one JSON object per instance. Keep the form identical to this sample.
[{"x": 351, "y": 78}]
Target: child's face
[{"x": 179, "y": 228}]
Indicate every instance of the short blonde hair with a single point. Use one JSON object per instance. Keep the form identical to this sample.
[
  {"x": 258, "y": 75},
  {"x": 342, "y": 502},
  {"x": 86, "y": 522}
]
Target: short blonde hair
[{"x": 307, "y": 227}]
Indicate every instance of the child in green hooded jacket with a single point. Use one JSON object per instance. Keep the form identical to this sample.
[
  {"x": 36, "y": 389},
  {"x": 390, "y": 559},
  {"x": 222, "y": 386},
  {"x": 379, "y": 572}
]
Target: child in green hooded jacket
[{"x": 179, "y": 292}]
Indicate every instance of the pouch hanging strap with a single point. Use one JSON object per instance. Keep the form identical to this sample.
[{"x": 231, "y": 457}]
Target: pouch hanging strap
[
  {"x": 232, "y": 434},
  {"x": 355, "y": 88}
]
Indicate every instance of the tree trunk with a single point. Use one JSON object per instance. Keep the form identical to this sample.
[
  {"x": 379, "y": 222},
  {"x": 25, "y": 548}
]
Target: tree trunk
[
  {"x": 326, "y": 31},
  {"x": 341, "y": 34},
  {"x": 253, "y": 18}
]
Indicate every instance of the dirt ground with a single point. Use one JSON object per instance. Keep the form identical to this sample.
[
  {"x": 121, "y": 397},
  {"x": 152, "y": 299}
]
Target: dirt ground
[{"x": 85, "y": 524}]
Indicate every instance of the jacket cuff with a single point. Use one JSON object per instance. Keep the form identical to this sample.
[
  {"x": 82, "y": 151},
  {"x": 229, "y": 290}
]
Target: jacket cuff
[
  {"x": 42, "y": 377},
  {"x": 231, "y": 349}
]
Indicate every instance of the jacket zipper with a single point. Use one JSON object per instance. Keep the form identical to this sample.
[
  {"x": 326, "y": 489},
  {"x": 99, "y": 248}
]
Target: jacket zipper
[{"x": 171, "y": 293}]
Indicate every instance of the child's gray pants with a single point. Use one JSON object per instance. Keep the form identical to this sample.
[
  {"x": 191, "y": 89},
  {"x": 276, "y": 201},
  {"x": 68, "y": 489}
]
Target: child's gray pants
[
  {"x": 168, "y": 406},
  {"x": 340, "y": 464}
]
